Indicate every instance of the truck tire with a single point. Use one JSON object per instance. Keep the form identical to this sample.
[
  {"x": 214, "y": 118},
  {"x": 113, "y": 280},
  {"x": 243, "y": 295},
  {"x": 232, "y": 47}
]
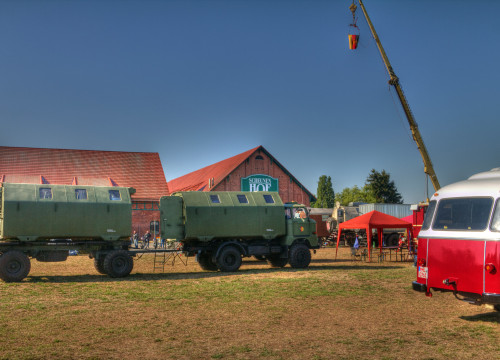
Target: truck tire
[
  {"x": 99, "y": 265},
  {"x": 205, "y": 261},
  {"x": 300, "y": 256},
  {"x": 118, "y": 263},
  {"x": 276, "y": 261},
  {"x": 14, "y": 266},
  {"x": 229, "y": 259}
]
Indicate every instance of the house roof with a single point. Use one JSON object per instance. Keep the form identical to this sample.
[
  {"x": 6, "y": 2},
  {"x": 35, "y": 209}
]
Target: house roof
[
  {"x": 198, "y": 180},
  {"x": 140, "y": 170}
]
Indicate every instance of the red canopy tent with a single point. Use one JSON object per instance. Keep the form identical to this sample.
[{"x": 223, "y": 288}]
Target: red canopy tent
[{"x": 373, "y": 220}]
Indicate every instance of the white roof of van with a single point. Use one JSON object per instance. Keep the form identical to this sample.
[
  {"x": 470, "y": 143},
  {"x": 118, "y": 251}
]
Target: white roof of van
[{"x": 482, "y": 184}]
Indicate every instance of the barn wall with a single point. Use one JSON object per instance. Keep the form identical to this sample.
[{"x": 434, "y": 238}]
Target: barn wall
[{"x": 289, "y": 190}]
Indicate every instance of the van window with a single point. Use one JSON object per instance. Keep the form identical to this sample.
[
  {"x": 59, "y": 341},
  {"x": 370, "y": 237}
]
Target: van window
[
  {"x": 114, "y": 195},
  {"x": 242, "y": 199},
  {"x": 81, "y": 194},
  {"x": 428, "y": 215},
  {"x": 45, "y": 193},
  {"x": 464, "y": 214},
  {"x": 495, "y": 221}
]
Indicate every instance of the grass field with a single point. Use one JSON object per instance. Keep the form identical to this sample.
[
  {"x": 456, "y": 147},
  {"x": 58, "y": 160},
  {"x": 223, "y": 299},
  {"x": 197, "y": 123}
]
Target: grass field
[{"x": 332, "y": 310}]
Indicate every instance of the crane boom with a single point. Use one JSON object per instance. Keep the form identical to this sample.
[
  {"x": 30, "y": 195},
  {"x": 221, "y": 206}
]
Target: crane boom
[{"x": 394, "y": 81}]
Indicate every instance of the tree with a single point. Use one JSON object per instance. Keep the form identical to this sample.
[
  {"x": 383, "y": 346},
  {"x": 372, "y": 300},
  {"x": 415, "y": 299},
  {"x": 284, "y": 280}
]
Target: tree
[
  {"x": 326, "y": 195},
  {"x": 355, "y": 194},
  {"x": 383, "y": 188}
]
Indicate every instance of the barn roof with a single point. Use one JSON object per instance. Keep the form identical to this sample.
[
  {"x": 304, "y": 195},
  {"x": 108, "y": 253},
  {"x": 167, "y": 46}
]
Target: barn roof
[
  {"x": 198, "y": 180},
  {"x": 141, "y": 170}
]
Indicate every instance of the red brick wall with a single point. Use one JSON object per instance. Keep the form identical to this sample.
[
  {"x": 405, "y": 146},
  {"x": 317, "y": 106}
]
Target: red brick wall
[
  {"x": 141, "y": 219},
  {"x": 288, "y": 189}
]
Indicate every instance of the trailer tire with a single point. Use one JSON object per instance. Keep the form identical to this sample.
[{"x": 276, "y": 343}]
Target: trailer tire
[
  {"x": 99, "y": 265},
  {"x": 14, "y": 266},
  {"x": 205, "y": 261},
  {"x": 497, "y": 307},
  {"x": 300, "y": 256},
  {"x": 276, "y": 261},
  {"x": 229, "y": 259},
  {"x": 118, "y": 263}
]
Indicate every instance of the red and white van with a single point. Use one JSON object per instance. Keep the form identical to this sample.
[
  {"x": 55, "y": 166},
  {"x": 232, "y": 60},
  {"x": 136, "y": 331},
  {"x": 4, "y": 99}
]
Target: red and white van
[{"x": 459, "y": 243}]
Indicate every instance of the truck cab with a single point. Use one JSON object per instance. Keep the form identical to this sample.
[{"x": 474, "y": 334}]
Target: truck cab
[{"x": 299, "y": 224}]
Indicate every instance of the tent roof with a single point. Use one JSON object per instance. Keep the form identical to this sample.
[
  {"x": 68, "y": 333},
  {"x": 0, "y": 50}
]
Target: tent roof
[{"x": 374, "y": 219}]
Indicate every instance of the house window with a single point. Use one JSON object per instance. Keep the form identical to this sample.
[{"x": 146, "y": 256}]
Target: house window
[
  {"x": 215, "y": 199},
  {"x": 268, "y": 199},
  {"x": 259, "y": 157},
  {"x": 114, "y": 195},
  {"x": 45, "y": 193},
  {"x": 81, "y": 194},
  {"x": 242, "y": 199}
]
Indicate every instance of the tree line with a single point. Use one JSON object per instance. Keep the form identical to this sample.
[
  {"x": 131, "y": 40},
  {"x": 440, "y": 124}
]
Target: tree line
[{"x": 378, "y": 188}]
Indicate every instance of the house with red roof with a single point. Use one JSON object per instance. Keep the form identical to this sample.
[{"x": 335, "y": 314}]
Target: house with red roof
[
  {"x": 140, "y": 170},
  {"x": 252, "y": 170}
]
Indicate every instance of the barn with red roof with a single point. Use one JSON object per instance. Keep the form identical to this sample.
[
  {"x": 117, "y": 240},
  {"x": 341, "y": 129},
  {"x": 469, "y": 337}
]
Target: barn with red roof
[
  {"x": 252, "y": 170},
  {"x": 140, "y": 170}
]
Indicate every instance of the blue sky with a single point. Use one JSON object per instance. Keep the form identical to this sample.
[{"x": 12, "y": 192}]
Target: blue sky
[{"x": 200, "y": 81}]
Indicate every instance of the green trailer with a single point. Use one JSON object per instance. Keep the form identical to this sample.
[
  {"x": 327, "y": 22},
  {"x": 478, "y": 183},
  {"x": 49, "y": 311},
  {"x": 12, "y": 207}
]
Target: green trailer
[
  {"x": 220, "y": 228},
  {"x": 44, "y": 221}
]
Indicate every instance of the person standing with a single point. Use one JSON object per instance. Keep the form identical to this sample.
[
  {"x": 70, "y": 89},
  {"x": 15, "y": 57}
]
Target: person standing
[
  {"x": 135, "y": 239},
  {"x": 146, "y": 238}
]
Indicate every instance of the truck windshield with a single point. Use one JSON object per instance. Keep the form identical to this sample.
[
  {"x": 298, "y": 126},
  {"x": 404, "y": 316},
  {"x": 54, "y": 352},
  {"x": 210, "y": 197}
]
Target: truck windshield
[
  {"x": 428, "y": 215},
  {"x": 495, "y": 221},
  {"x": 465, "y": 214}
]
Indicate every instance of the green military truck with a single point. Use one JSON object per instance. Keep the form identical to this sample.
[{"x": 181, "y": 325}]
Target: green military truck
[
  {"x": 220, "y": 228},
  {"x": 44, "y": 221}
]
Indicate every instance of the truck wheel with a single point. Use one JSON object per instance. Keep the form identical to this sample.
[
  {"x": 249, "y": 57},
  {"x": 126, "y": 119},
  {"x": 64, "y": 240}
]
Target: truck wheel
[
  {"x": 229, "y": 259},
  {"x": 99, "y": 265},
  {"x": 14, "y": 266},
  {"x": 276, "y": 261},
  {"x": 205, "y": 261},
  {"x": 300, "y": 256},
  {"x": 118, "y": 263}
]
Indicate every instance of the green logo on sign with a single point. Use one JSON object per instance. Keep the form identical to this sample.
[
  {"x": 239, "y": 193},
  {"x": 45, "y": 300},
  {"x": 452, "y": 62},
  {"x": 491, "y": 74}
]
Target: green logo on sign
[{"x": 259, "y": 182}]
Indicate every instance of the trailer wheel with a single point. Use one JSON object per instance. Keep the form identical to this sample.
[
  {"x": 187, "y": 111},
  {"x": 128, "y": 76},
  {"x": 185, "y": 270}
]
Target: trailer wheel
[
  {"x": 276, "y": 261},
  {"x": 205, "y": 261},
  {"x": 497, "y": 307},
  {"x": 118, "y": 263},
  {"x": 14, "y": 266},
  {"x": 99, "y": 265},
  {"x": 300, "y": 256},
  {"x": 229, "y": 259}
]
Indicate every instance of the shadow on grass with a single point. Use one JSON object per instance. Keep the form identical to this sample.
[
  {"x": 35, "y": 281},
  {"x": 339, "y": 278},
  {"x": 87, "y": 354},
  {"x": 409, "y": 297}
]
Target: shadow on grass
[
  {"x": 90, "y": 278},
  {"x": 493, "y": 317}
]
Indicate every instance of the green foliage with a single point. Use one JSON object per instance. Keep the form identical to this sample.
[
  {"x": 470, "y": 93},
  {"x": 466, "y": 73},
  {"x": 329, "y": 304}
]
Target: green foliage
[
  {"x": 383, "y": 188},
  {"x": 355, "y": 194},
  {"x": 379, "y": 188},
  {"x": 326, "y": 195}
]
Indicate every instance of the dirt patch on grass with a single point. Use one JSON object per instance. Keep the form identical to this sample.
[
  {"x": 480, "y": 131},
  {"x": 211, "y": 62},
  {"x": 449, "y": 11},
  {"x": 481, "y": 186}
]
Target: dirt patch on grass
[{"x": 332, "y": 310}]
